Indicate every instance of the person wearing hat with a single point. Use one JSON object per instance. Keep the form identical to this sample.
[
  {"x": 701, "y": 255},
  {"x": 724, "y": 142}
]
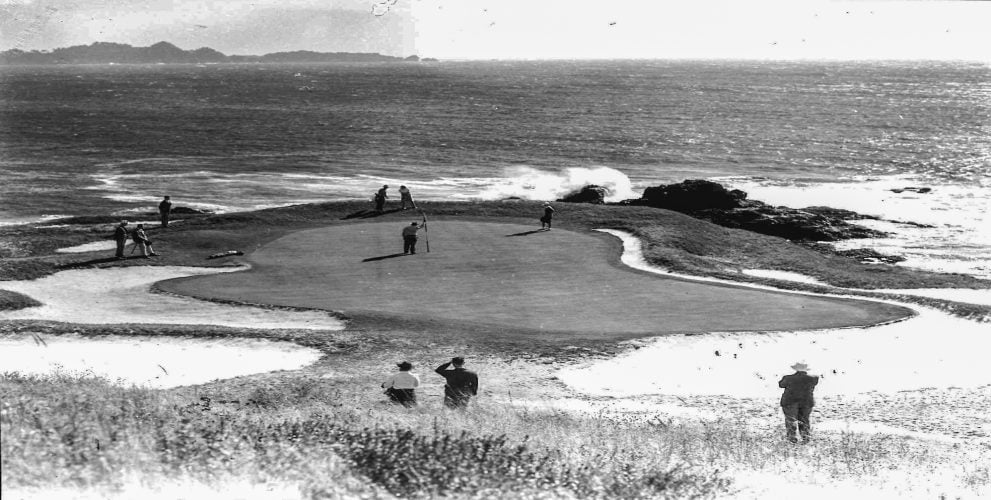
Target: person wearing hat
[
  {"x": 409, "y": 238},
  {"x": 380, "y": 197},
  {"x": 461, "y": 384},
  {"x": 164, "y": 210},
  {"x": 406, "y": 197},
  {"x": 120, "y": 236},
  {"x": 401, "y": 387},
  {"x": 797, "y": 401},
  {"x": 545, "y": 221},
  {"x": 142, "y": 242}
]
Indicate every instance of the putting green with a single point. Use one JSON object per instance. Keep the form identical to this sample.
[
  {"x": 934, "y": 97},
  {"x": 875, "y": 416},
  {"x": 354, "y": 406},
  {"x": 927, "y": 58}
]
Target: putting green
[{"x": 510, "y": 276}]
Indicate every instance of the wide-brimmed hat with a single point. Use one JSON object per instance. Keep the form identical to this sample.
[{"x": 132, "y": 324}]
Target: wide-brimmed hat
[
  {"x": 405, "y": 365},
  {"x": 800, "y": 367}
]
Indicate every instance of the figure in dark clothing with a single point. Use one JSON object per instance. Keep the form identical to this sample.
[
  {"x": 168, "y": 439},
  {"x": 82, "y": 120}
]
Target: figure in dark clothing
[
  {"x": 120, "y": 236},
  {"x": 461, "y": 384},
  {"x": 380, "y": 197},
  {"x": 165, "y": 209},
  {"x": 409, "y": 237},
  {"x": 545, "y": 221},
  {"x": 797, "y": 401},
  {"x": 401, "y": 387}
]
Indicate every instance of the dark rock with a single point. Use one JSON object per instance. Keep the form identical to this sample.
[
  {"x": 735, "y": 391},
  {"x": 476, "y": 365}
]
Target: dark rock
[
  {"x": 730, "y": 208},
  {"x": 920, "y": 190},
  {"x": 691, "y": 195},
  {"x": 839, "y": 213},
  {"x": 870, "y": 256},
  {"x": 588, "y": 194},
  {"x": 189, "y": 211}
]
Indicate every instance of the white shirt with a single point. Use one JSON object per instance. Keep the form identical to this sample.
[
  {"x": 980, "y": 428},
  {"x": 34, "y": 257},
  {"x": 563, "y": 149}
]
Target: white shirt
[{"x": 402, "y": 380}]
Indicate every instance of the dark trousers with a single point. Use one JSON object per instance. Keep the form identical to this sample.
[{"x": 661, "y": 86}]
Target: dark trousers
[
  {"x": 405, "y": 397},
  {"x": 120, "y": 247},
  {"x": 798, "y": 413},
  {"x": 456, "y": 402},
  {"x": 379, "y": 203},
  {"x": 409, "y": 244},
  {"x": 165, "y": 219}
]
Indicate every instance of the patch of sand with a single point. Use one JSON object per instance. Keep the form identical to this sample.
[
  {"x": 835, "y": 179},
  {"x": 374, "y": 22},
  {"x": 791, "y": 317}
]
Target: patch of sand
[
  {"x": 122, "y": 295},
  {"x": 158, "y": 362}
]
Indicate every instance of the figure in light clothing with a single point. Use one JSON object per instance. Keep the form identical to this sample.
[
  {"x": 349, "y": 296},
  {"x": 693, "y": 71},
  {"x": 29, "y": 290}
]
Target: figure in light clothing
[
  {"x": 797, "y": 401},
  {"x": 120, "y": 236},
  {"x": 461, "y": 384},
  {"x": 142, "y": 242},
  {"x": 409, "y": 237},
  {"x": 545, "y": 221},
  {"x": 401, "y": 386},
  {"x": 164, "y": 210},
  {"x": 405, "y": 197},
  {"x": 380, "y": 197}
]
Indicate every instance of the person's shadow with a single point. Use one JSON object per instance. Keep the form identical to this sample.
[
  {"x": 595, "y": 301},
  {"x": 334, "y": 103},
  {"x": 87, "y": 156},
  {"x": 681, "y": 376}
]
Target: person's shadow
[
  {"x": 383, "y": 257},
  {"x": 526, "y": 233},
  {"x": 367, "y": 214},
  {"x": 87, "y": 263}
]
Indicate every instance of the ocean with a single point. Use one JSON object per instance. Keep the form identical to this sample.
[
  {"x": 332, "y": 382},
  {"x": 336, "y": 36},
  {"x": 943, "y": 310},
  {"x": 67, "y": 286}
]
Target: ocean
[{"x": 78, "y": 140}]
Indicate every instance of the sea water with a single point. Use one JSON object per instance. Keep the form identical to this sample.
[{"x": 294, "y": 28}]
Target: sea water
[{"x": 96, "y": 139}]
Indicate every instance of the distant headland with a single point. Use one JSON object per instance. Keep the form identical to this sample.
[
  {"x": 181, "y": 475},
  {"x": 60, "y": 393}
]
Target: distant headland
[{"x": 166, "y": 53}]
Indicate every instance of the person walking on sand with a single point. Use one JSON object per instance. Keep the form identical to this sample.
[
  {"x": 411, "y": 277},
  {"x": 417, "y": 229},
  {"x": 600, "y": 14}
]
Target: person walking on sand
[
  {"x": 401, "y": 387},
  {"x": 120, "y": 236},
  {"x": 165, "y": 209},
  {"x": 409, "y": 238},
  {"x": 545, "y": 221},
  {"x": 797, "y": 401},
  {"x": 380, "y": 197},
  {"x": 405, "y": 197},
  {"x": 142, "y": 242},
  {"x": 461, "y": 384}
]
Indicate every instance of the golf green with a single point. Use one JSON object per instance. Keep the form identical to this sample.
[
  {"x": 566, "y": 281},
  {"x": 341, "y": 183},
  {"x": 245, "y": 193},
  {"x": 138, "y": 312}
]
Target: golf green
[{"x": 509, "y": 276}]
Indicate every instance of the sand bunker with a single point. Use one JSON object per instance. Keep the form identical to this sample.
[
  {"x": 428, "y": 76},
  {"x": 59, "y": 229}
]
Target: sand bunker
[
  {"x": 96, "y": 246},
  {"x": 921, "y": 352},
  {"x": 122, "y": 295},
  {"x": 158, "y": 362}
]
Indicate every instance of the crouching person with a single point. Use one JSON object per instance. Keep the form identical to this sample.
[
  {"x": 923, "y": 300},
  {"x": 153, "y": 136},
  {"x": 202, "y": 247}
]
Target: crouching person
[{"x": 401, "y": 387}]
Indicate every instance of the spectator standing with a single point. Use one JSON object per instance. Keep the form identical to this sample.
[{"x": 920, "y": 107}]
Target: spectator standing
[
  {"x": 797, "y": 401},
  {"x": 545, "y": 221},
  {"x": 120, "y": 236},
  {"x": 165, "y": 210},
  {"x": 380, "y": 197},
  {"x": 461, "y": 384},
  {"x": 401, "y": 386}
]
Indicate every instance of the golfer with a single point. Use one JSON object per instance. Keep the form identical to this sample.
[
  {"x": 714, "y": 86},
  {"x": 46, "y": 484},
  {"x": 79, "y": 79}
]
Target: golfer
[
  {"x": 409, "y": 237},
  {"x": 461, "y": 384},
  {"x": 797, "y": 401},
  {"x": 380, "y": 197},
  {"x": 405, "y": 197},
  {"x": 142, "y": 242},
  {"x": 164, "y": 210},
  {"x": 120, "y": 236},
  {"x": 545, "y": 221},
  {"x": 401, "y": 387}
]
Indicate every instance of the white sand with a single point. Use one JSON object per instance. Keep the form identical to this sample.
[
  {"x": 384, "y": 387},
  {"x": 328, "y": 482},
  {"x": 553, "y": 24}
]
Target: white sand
[
  {"x": 965, "y": 295},
  {"x": 96, "y": 246},
  {"x": 122, "y": 295},
  {"x": 159, "y": 362},
  {"x": 783, "y": 276}
]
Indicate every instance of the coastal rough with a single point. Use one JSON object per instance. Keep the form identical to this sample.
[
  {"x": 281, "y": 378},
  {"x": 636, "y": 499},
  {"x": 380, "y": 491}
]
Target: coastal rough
[
  {"x": 588, "y": 194},
  {"x": 730, "y": 208}
]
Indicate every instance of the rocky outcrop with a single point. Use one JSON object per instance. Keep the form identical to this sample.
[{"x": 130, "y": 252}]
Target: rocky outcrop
[
  {"x": 588, "y": 194},
  {"x": 691, "y": 195},
  {"x": 730, "y": 208}
]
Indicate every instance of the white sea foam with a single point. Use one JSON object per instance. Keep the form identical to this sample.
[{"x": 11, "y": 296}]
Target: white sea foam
[{"x": 534, "y": 184}]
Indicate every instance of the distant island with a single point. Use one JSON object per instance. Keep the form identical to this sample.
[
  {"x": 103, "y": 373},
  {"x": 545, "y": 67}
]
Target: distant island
[{"x": 166, "y": 53}]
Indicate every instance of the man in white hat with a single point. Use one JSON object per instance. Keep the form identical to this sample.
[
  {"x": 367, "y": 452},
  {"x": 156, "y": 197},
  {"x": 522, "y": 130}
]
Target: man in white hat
[{"x": 797, "y": 401}]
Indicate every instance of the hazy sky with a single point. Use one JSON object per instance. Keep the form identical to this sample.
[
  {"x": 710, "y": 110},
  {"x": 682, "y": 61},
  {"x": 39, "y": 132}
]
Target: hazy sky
[{"x": 483, "y": 29}]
